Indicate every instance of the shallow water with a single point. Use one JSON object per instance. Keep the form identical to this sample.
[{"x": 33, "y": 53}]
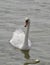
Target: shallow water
[{"x": 12, "y": 14}]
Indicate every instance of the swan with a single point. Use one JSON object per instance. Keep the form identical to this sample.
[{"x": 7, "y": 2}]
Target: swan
[{"x": 20, "y": 39}]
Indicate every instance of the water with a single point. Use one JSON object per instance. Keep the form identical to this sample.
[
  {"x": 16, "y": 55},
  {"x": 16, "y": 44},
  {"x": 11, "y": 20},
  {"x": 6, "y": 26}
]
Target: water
[{"x": 12, "y": 14}]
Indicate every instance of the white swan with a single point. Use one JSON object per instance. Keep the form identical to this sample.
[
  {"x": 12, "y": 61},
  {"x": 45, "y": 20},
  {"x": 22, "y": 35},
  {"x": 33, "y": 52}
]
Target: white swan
[{"x": 19, "y": 39}]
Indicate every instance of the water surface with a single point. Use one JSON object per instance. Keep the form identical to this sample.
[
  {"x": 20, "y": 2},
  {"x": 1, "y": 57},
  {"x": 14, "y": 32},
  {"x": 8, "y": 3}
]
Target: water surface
[{"x": 12, "y": 15}]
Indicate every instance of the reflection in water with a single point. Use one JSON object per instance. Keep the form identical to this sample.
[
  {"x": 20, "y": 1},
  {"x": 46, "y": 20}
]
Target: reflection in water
[
  {"x": 26, "y": 54},
  {"x": 28, "y": 60}
]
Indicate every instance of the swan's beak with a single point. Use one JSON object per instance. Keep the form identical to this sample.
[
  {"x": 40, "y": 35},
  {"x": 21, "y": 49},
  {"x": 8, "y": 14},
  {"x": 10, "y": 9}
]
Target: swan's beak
[{"x": 26, "y": 23}]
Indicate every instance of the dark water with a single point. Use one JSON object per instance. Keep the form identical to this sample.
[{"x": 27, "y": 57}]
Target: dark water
[{"x": 12, "y": 14}]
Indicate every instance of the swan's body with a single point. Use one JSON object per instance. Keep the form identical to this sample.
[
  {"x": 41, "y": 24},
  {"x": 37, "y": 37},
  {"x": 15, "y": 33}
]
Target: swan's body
[{"x": 20, "y": 39}]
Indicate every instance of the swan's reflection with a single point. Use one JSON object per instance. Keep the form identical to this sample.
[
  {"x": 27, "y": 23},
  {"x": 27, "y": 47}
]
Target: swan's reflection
[
  {"x": 26, "y": 54},
  {"x": 28, "y": 60}
]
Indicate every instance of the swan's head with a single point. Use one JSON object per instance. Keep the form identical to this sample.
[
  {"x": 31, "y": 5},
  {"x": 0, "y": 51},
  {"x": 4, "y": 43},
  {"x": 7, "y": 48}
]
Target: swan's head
[{"x": 27, "y": 22}]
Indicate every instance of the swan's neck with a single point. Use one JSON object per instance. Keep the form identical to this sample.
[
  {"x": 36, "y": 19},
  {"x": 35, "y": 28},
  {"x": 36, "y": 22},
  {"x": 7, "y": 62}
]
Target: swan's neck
[{"x": 26, "y": 35}]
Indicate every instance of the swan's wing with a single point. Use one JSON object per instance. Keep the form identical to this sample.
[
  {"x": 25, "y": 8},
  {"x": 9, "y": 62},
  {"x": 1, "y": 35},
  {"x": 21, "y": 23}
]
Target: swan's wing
[{"x": 17, "y": 38}]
